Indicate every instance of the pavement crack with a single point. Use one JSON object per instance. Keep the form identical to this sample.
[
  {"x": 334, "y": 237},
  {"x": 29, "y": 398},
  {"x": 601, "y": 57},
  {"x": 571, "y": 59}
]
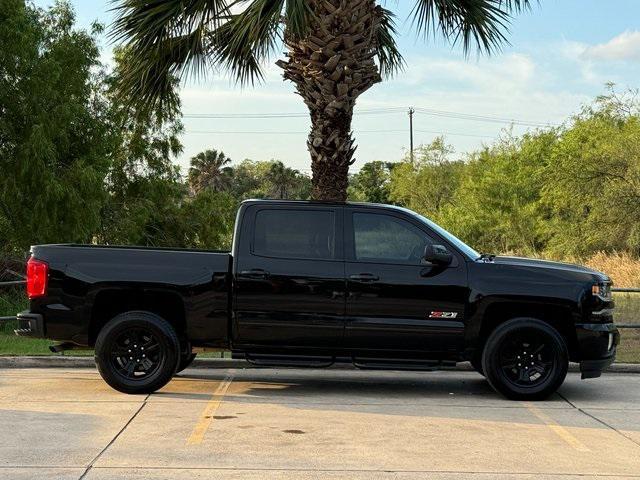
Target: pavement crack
[
  {"x": 602, "y": 422},
  {"x": 97, "y": 457},
  {"x": 567, "y": 400},
  {"x": 609, "y": 426}
]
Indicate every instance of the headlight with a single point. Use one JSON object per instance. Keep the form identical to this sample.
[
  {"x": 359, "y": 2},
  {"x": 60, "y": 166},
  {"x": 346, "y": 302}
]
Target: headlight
[{"x": 602, "y": 291}]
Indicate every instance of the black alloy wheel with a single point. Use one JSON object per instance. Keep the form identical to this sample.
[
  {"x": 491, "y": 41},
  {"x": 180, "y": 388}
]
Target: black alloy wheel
[
  {"x": 525, "y": 359},
  {"x": 137, "y": 352}
]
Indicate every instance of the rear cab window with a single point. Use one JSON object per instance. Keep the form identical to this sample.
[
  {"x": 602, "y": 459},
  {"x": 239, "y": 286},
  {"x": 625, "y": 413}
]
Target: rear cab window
[{"x": 296, "y": 233}]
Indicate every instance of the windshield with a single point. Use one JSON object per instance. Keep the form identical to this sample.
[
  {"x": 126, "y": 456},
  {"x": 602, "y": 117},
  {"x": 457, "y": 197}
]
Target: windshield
[{"x": 463, "y": 247}]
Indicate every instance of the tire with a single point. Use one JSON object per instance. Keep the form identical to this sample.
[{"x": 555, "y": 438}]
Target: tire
[
  {"x": 186, "y": 359},
  {"x": 525, "y": 359},
  {"x": 476, "y": 363},
  {"x": 141, "y": 372}
]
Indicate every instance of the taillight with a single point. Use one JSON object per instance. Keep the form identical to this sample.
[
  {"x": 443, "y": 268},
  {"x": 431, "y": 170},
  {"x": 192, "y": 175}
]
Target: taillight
[{"x": 37, "y": 278}]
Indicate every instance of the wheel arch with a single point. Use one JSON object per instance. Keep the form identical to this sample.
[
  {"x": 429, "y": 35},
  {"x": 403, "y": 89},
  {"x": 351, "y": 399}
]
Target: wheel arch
[
  {"x": 558, "y": 316},
  {"x": 109, "y": 303}
]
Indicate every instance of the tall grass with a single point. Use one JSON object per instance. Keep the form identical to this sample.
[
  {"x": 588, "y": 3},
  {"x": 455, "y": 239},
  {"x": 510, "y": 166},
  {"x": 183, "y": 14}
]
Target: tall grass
[
  {"x": 623, "y": 268},
  {"x": 12, "y": 301}
]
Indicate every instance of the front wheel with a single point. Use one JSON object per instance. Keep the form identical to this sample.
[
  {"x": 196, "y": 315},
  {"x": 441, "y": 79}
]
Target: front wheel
[
  {"x": 137, "y": 352},
  {"x": 476, "y": 363},
  {"x": 525, "y": 359}
]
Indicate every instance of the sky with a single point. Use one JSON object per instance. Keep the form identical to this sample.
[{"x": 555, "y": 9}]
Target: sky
[{"x": 560, "y": 56}]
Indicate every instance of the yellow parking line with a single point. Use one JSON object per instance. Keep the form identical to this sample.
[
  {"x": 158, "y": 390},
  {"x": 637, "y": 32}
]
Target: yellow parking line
[
  {"x": 558, "y": 429},
  {"x": 199, "y": 431}
]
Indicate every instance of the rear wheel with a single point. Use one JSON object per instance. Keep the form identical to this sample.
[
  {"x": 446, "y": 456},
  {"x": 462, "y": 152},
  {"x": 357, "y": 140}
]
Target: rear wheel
[
  {"x": 137, "y": 352},
  {"x": 525, "y": 359}
]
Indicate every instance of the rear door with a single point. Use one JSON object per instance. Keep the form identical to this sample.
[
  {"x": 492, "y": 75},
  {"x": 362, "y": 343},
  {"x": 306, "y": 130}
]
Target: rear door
[
  {"x": 396, "y": 303},
  {"x": 290, "y": 285}
]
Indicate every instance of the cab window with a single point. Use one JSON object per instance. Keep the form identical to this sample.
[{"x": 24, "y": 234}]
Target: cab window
[
  {"x": 385, "y": 238},
  {"x": 306, "y": 234}
]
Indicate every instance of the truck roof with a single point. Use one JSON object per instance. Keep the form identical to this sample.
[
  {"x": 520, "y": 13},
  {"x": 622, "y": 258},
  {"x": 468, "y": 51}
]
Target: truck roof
[{"x": 320, "y": 202}]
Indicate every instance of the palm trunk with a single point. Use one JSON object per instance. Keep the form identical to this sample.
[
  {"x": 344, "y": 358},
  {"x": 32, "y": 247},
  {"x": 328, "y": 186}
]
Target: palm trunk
[{"x": 331, "y": 67}]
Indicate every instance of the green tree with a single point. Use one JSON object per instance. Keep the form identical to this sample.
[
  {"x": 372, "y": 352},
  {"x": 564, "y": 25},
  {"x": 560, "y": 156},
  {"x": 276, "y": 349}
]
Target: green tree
[
  {"x": 336, "y": 50},
  {"x": 592, "y": 191},
  {"x": 55, "y": 134},
  {"x": 371, "y": 183},
  {"x": 285, "y": 182},
  {"x": 496, "y": 207},
  {"x": 210, "y": 218},
  {"x": 144, "y": 186},
  {"x": 427, "y": 185},
  {"x": 209, "y": 170},
  {"x": 248, "y": 179},
  {"x": 268, "y": 179}
]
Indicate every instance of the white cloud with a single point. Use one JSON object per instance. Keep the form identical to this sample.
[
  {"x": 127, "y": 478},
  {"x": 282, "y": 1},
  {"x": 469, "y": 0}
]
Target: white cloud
[
  {"x": 513, "y": 85},
  {"x": 625, "y": 46},
  {"x": 510, "y": 71}
]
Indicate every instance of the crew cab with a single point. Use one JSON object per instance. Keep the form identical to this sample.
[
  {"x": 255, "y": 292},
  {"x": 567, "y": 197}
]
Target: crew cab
[{"x": 313, "y": 284}]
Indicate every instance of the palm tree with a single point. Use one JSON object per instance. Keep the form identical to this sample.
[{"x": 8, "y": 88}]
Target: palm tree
[
  {"x": 336, "y": 50},
  {"x": 284, "y": 180},
  {"x": 208, "y": 171}
]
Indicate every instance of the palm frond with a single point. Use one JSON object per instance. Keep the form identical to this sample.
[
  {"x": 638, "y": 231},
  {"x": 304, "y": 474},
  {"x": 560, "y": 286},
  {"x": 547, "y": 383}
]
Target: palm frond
[
  {"x": 297, "y": 15},
  {"x": 389, "y": 57},
  {"x": 149, "y": 22},
  {"x": 243, "y": 43},
  {"x": 479, "y": 23},
  {"x": 166, "y": 38}
]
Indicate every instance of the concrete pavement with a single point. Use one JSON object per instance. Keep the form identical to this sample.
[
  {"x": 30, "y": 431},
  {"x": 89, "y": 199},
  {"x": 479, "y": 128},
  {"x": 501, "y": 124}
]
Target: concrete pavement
[{"x": 314, "y": 424}]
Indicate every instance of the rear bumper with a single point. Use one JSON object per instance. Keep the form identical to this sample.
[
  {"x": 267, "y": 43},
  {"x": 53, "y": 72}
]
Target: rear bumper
[
  {"x": 30, "y": 325},
  {"x": 597, "y": 344}
]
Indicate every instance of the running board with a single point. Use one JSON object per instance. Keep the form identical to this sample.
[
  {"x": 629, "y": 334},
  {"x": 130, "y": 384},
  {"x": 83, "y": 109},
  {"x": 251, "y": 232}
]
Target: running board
[
  {"x": 266, "y": 360},
  {"x": 400, "y": 364}
]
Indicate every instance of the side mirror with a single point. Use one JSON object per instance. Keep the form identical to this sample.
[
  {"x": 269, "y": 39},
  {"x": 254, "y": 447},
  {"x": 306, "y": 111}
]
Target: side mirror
[{"x": 437, "y": 255}]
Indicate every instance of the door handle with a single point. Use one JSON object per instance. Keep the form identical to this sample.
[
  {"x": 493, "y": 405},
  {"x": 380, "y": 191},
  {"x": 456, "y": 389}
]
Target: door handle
[
  {"x": 254, "y": 273},
  {"x": 364, "y": 277}
]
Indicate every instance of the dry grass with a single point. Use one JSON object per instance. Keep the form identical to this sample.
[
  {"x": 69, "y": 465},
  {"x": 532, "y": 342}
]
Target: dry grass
[
  {"x": 629, "y": 348},
  {"x": 623, "y": 268}
]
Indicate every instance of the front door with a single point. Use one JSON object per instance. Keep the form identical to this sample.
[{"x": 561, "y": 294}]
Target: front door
[
  {"x": 396, "y": 303},
  {"x": 289, "y": 285}
]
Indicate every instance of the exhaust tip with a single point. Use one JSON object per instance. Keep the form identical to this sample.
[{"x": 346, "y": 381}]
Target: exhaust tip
[{"x": 61, "y": 347}]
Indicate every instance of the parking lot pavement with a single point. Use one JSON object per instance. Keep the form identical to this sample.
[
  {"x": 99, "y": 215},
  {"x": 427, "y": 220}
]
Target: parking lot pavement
[{"x": 314, "y": 424}]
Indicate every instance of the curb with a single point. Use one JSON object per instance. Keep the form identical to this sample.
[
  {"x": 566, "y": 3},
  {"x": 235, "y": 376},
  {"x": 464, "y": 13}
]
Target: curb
[
  {"x": 55, "y": 361},
  {"x": 59, "y": 361}
]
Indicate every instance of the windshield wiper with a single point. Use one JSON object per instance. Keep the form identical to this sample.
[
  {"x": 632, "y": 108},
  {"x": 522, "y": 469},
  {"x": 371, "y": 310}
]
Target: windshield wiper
[{"x": 486, "y": 257}]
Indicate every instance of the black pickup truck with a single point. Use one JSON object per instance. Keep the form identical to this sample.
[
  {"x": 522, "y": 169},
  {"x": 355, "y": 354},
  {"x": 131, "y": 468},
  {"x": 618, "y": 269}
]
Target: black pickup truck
[{"x": 312, "y": 284}]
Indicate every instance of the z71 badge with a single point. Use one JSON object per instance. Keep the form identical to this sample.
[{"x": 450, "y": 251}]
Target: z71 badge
[{"x": 443, "y": 315}]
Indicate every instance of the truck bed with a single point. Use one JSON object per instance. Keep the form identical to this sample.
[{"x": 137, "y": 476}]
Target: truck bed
[
  {"x": 165, "y": 265},
  {"x": 90, "y": 281}
]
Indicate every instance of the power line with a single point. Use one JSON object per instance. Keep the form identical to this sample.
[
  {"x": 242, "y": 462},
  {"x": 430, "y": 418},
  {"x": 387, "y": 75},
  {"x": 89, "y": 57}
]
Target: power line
[
  {"x": 373, "y": 111},
  {"x": 301, "y": 132},
  {"x": 379, "y": 111},
  {"x": 483, "y": 118}
]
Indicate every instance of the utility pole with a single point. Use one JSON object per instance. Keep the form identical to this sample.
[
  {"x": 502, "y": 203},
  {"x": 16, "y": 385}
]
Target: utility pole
[{"x": 411, "y": 112}]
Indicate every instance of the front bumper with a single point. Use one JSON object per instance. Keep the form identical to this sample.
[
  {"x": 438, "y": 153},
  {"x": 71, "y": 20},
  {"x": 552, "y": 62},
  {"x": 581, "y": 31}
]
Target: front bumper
[
  {"x": 30, "y": 325},
  {"x": 597, "y": 344}
]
